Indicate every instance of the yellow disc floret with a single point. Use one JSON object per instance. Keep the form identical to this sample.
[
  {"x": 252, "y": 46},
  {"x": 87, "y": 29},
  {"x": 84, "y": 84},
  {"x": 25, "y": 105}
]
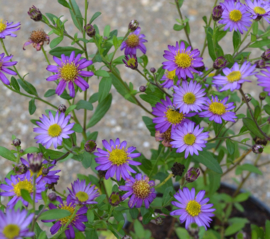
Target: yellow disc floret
[
  {"x": 25, "y": 184},
  {"x": 141, "y": 189},
  {"x": 259, "y": 10},
  {"x": 189, "y": 139},
  {"x": 3, "y": 25},
  {"x": 183, "y": 60},
  {"x": 82, "y": 196},
  {"x": 234, "y": 76},
  {"x": 170, "y": 74},
  {"x": 69, "y": 72},
  {"x": 193, "y": 208},
  {"x": 118, "y": 156},
  {"x": 131, "y": 62},
  {"x": 235, "y": 15},
  {"x": 11, "y": 231},
  {"x": 217, "y": 108},
  {"x": 54, "y": 130},
  {"x": 174, "y": 116},
  {"x": 189, "y": 98},
  {"x": 39, "y": 173},
  {"x": 71, "y": 210},
  {"x": 132, "y": 40}
]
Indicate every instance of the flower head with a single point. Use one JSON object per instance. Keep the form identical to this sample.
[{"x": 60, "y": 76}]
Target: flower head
[
  {"x": 133, "y": 25},
  {"x": 90, "y": 30},
  {"x": 35, "y": 162},
  {"x": 192, "y": 208},
  {"x": 235, "y": 16},
  {"x": 69, "y": 71},
  {"x": 217, "y": 110},
  {"x": 90, "y": 146},
  {"x": 52, "y": 130},
  {"x": 266, "y": 55},
  {"x": 264, "y": 79},
  {"x": 134, "y": 41},
  {"x": 35, "y": 14},
  {"x": 116, "y": 159},
  {"x": 217, "y": 12},
  {"x": 164, "y": 137},
  {"x": 235, "y": 76},
  {"x": 182, "y": 60},
  {"x": 259, "y": 9},
  {"x": 115, "y": 198},
  {"x": 140, "y": 189},
  {"x": 4, "y": 63},
  {"x": 14, "y": 224},
  {"x": 37, "y": 39},
  {"x": 168, "y": 115},
  {"x": 131, "y": 62},
  {"x": 7, "y": 29},
  {"x": 192, "y": 174},
  {"x": 220, "y": 62},
  {"x": 82, "y": 193},
  {"x": 168, "y": 79},
  {"x": 18, "y": 182},
  {"x": 189, "y": 97},
  {"x": 189, "y": 138},
  {"x": 178, "y": 169}
]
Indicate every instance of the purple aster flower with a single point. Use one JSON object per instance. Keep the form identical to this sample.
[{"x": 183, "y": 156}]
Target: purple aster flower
[
  {"x": 77, "y": 221},
  {"x": 50, "y": 176},
  {"x": 7, "y": 29},
  {"x": 235, "y": 16},
  {"x": 168, "y": 79},
  {"x": 168, "y": 115},
  {"x": 264, "y": 79},
  {"x": 14, "y": 224},
  {"x": 235, "y": 76},
  {"x": 189, "y": 97},
  {"x": 217, "y": 110},
  {"x": 116, "y": 159},
  {"x": 182, "y": 60},
  {"x": 69, "y": 71},
  {"x": 131, "y": 61},
  {"x": 189, "y": 139},
  {"x": 52, "y": 130},
  {"x": 134, "y": 41},
  {"x": 141, "y": 189},
  {"x": 18, "y": 182},
  {"x": 83, "y": 194},
  {"x": 192, "y": 208},
  {"x": 4, "y": 63},
  {"x": 259, "y": 9}
]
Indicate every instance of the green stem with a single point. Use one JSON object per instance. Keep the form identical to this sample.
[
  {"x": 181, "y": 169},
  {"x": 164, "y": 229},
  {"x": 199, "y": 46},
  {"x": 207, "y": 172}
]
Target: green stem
[
  {"x": 62, "y": 195},
  {"x": 45, "y": 54},
  {"x": 209, "y": 126},
  {"x": 34, "y": 202},
  {"x": 166, "y": 179},
  {"x": 161, "y": 152}
]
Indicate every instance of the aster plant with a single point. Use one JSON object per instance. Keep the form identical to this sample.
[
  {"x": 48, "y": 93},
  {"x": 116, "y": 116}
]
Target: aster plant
[{"x": 197, "y": 110}]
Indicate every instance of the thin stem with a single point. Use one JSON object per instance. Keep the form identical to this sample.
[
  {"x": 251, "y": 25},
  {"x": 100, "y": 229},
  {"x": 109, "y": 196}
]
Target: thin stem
[
  {"x": 34, "y": 202},
  {"x": 161, "y": 152},
  {"x": 45, "y": 54},
  {"x": 63, "y": 156},
  {"x": 165, "y": 181},
  {"x": 62, "y": 195}
]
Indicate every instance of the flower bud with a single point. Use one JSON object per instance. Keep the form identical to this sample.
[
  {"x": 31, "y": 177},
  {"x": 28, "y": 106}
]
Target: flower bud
[
  {"x": 142, "y": 88},
  {"x": 260, "y": 141},
  {"x": 177, "y": 169},
  {"x": 62, "y": 108},
  {"x": 101, "y": 174},
  {"x": 131, "y": 61},
  {"x": 133, "y": 25},
  {"x": 35, "y": 161},
  {"x": 266, "y": 55},
  {"x": 248, "y": 98},
  {"x": 192, "y": 174},
  {"x": 90, "y": 146},
  {"x": 220, "y": 62},
  {"x": 257, "y": 149},
  {"x": 52, "y": 196},
  {"x": 115, "y": 199},
  {"x": 51, "y": 186},
  {"x": 200, "y": 69},
  {"x": 20, "y": 169},
  {"x": 262, "y": 96},
  {"x": 217, "y": 13},
  {"x": 90, "y": 30},
  {"x": 16, "y": 142},
  {"x": 35, "y": 14},
  {"x": 21, "y": 151},
  {"x": 260, "y": 64},
  {"x": 45, "y": 171},
  {"x": 153, "y": 69}
]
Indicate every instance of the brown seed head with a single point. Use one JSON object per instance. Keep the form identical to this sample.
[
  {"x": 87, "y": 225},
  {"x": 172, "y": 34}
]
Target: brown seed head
[{"x": 38, "y": 36}]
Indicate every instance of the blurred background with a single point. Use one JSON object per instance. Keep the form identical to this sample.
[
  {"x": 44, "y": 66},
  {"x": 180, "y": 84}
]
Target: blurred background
[{"x": 123, "y": 120}]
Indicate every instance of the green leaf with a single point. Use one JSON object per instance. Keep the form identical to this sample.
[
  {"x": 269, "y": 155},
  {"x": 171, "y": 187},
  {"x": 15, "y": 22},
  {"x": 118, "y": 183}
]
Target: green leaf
[
  {"x": 235, "y": 227},
  {"x": 214, "y": 179},
  {"x": 236, "y": 39},
  {"x": 182, "y": 233},
  {"x": 82, "y": 104},
  {"x": 31, "y": 150},
  {"x": 87, "y": 159},
  {"x": 49, "y": 93},
  {"x": 91, "y": 233},
  {"x": 90, "y": 215},
  {"x": 26, "y": 196},
  {"x": 267, "y": 109},
  {"x": 178, "y": 27},
  {"x": 32, "y": 106},
  {"x": 138, "y": 229},
  {"x": 28, "y": 87},
  {"x": 208, "y": 160},
  {"x": 76, "y": 15},
  {"x": 77, "y": 128},
  {"x": 70, "y": 108},
  {"x": 56, "y": 41},
  {"x": 107, "y": 30},
  {"x": 58, "y": 51},
  {"x": 93, "y": 98},
  {"x": 260, "y": 44},
  {"x": 64, "y": 3},
  {"x": 104, "y": 88},
  {"x": 211, "y": 49},
  {"x": 151, "y": 99},
  {"x": 15, "y": 84},
  {"x": 230, "y": 146},
  {"x": 134, "y": 213},
  {"x": 267, "y": 229},
  {"x": 5, "y": 153},
  {"x": 250, "y": 124},
  {"x": 100, "y": 111},
  {"x": 51, "y": 17},
  {"x": 149, "y": 124},
  {"x": 241, "y": 197},
  {"x": 42, "y": 235},
  {"x": 54, "y": 214},
  {"x": 247, "y": 167},
  {"x": 102, "y": 73},
  {"x": 96, "y": 15}
]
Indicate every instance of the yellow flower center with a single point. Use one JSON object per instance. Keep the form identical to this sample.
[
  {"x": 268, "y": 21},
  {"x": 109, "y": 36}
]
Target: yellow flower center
[
  {"x": 69, "y": 72},
  {"x": 234, "y": 76},
  {"x": 193, "y": 208},
  {"x": 11, "y": 231},
  {"x": 3, "y": 25},
  {"x": 25, "y": 184},
  {"x": 132, "y": 40},
  {"x": 131, "y": 62},
  {"x": 115, "y": 198},
  {"x": 38, "y": 174},
  {"x": 259, "y": 10},
  {"x": 183, "y": 60},
  {"x": 141, "y": 189},
  {"x": 212, "y": 74},
  {"x": 235, "y": 15},
  {"x": 189, "y": 98},
  {"x": 170, "y": 74},
  {"x": 54, "y": 130},
  {"x": 71, "y": 210},
  {"x": 189, "y": 139},
  {"x": 217, "y": 108},
  {"x": 82, "y": 196},
  {"x": 118, "y": 156},
  {"x": 174, "y": 116}
]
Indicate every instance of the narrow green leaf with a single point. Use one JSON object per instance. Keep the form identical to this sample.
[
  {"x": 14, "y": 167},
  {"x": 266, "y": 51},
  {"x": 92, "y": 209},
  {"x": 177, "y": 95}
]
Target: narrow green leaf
[
  {"x": 104, "y": 88},
  {"x": 178, "y": 27},
  {"x": 267, "y": 109},
  {"x": 149, "y": 124},
  {"x": 250, "y": 124},
  {"x": 90, "y": 215},
  {"x": 267, "y": 229},
  {"x": 76, "y": 15},
  {"x": 139, "y": 230},
  {"x": 58, "y": 51},
  {"x": 82, "y": 104},
  {"x": 235, "y": 227},
  {"x": 15, "y": 84},
  {"x": 56, "y": 41},
  {"x": 102, "y": 73},
  {"x": 77, "y": 128},
  {"x": 236, "y": 39},
  {"x": 49, "y": 93},
  {"x": 107, "y": 31},
  {"x": 70, "y": 108},
  {"x": 64, "y": 3},
  {"x": 26, "y": 196},
  {"x": 31, "y": 150},
  {"x": 211, "y": 49},
  {"x": 5, "y": 153},
  {"x": 230, "y": 146},
  {"x": 28, "y": 87},
  {"x": 260, "y": 44},
  {"x": 241, "y": 197},
  {"x": 32, "y": 106},
  {"x": 54, "y": 214},
  {"x": 247, "y": 167},
  {"x": 95, "y": 16}
]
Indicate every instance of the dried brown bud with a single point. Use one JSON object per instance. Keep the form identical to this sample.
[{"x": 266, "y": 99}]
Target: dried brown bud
[{"x": 178, "y": 169}]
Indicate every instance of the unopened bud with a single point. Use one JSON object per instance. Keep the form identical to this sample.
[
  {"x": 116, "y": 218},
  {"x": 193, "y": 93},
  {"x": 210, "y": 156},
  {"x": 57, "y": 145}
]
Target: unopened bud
[
  {"x": 35, "y": 14},
  {"x": 142, "y": 88},
  {"x": 200, "y": 69},
  {"x": 62, "y": 108},
  {"x": 260, "y": 141},
  {"x": 115, "y": 199},
  {"x": 51, "y": 186},
  {"x": 45, "y": 171},
  {"x": 220, "y": 62},
  {"x": 266, "y": 55},
  {"x": 52, "y": 196},
  {"x": 20, "y": 169},
  {"x": 262, "y": 96},
  {"x": 257, "y": 149},
  {"x": 133, "y": 25},
  {"x": 192, "y": 174},
  {"x": 16, "y": 142},
  {"x": 90, "y": 30},
  {"x": 90, "y": 146},
  {"x": 101, "y": 173},
  {"x": 153, "y": 69},
  {"x": 177, "y": 169},
  {"x": 35, "y": 161},
  {"x": 217, "y": 13},
  {"x": 21, "y": 151},
  {"x": 260, "y": 64},
  {"x": 248, "y": 97}
]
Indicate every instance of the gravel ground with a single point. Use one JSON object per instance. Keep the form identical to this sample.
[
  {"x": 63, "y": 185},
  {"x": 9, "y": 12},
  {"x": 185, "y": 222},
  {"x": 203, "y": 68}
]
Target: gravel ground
[{"x": 156, "y": 18}]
